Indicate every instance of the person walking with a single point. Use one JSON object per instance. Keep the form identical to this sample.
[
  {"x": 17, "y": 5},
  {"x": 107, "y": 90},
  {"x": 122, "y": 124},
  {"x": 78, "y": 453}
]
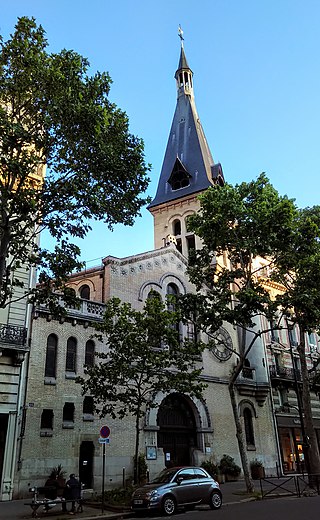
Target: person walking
[{"x": 73, "y": 487}]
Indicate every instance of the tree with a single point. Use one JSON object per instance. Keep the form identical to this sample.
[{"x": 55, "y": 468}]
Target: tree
[
  {"x": 237, "y": 225},
  {"x": 144, "y": 355},
  {"x": 297, "y": 268},
  {"x": 54, "y": 115}
]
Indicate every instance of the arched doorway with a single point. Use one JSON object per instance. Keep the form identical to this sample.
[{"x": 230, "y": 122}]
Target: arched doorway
[{"x": 177, "y": 434}]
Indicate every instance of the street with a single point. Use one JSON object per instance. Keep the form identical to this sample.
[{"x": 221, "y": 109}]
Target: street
[{"x": 275, "y": 509}]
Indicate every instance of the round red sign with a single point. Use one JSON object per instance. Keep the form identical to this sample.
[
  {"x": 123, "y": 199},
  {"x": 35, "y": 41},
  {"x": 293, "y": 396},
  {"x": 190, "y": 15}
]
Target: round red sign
[{"x": 104, "y": 432}]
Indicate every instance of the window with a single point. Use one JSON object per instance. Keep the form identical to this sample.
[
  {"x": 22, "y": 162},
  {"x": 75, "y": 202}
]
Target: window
[
  {"x": 176, "y": 225},
  {"x": 179, "y": 177},
  {"x": 68, "y": 412},
  {"x": 199, "y": 473},
  {"x": 88, "y": 405},
  {"x": 312, "y": 341},
  {"x": 71, "y": 355},
  {"x": 46, "y": 419},
  {"x": 274, "y": 332},
  {"x": 51, "y": 356},
  {"x": 293, "y": 336},
  {"x": 191, "y": 243},
  {"x": 89, "y": 353},
  {"x": 85, "y": 292},
  {"x": 172, "y": 292},
  {"x": 153, "y": 332},
  {"x": 186, "y": 474},
  {"x": 248, "y": 427}
]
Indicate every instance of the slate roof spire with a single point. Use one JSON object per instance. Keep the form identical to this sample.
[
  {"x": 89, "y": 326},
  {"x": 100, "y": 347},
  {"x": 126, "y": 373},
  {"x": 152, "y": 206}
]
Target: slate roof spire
[{"x": 188, "y": 166}]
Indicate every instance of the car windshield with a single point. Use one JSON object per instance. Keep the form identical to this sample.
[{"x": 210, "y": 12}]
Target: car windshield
[{"x": 164, "y": 477}]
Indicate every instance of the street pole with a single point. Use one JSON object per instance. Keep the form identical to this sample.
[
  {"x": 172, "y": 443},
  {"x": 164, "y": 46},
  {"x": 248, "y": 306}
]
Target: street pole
[{"x": 103, "y": 473}]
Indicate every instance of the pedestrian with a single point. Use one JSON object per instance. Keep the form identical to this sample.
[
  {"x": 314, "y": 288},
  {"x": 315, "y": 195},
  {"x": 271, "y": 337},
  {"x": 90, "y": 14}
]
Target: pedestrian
[{"x": 73, "y": 492}]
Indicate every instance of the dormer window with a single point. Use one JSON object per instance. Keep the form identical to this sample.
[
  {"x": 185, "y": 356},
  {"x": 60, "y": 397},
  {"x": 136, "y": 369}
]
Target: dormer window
[{"x": 179, "y": 177}]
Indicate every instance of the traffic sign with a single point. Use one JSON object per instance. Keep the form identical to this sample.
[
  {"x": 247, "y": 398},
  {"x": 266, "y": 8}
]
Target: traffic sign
[
  {"x": 104, "y": 432},
  {"x": 104, "y": 441}
]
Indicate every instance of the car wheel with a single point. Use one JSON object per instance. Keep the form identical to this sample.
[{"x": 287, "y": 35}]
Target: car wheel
[
  {"x": 169, "y": 505},
  {"x": 215, "y": 500}
]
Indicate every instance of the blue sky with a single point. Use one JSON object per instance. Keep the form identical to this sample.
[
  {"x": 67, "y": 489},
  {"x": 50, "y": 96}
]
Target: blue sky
[{"x": 256, "y": 81}]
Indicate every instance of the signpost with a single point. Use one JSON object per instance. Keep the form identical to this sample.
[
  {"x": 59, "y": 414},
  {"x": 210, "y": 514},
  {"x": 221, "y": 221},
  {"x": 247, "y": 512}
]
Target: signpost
[{"x": 104, "y": 439}]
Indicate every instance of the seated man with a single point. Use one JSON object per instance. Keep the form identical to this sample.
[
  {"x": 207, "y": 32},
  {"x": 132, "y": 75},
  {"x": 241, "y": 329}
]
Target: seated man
[{"x": 52, "y": 492}]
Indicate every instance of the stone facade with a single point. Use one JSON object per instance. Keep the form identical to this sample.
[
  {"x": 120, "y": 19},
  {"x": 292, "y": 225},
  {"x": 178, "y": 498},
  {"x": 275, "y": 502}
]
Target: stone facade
[{"x": 130, "y": 279}]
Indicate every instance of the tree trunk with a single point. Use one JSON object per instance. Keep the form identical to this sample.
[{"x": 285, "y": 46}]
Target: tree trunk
[
  {"x": 310, "y": 441},
  {"x": 4, "y": 245},
  {"x": 136, "y": 451},
  {"x": 239, "y": 434}
]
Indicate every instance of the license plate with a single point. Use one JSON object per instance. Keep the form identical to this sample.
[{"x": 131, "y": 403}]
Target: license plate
[{"x": 138, "y": 502}]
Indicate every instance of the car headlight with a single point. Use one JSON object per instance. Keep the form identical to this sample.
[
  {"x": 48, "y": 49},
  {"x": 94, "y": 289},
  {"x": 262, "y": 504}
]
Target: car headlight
[{"x": 152, "y": 494}]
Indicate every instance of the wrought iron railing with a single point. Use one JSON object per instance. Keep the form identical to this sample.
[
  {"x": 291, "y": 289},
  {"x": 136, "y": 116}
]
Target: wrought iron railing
[
  {"x": 284, "y": 373},
  {"x": 13, "y": 335}
]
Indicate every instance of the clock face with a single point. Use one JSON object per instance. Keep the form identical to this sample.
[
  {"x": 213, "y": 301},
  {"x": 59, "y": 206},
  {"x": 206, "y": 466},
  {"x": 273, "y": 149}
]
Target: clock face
[{"x": 221, "y": 345}]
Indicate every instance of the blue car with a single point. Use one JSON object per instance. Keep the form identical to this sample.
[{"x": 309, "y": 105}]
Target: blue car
[{"x": 175, "y": 488}]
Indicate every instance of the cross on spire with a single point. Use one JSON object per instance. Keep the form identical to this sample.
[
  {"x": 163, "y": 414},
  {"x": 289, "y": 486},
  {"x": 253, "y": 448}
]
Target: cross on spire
[{"x": 180, "y": 34}]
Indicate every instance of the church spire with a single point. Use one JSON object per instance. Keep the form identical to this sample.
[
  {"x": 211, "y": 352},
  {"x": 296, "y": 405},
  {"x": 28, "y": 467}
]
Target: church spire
[
  {"x": 188, "y": 167},
  {"x": 183, "y": 74}
]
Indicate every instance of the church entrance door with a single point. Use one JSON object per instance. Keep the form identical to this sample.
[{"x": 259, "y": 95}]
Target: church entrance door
[{"x": 177, "y": 435}]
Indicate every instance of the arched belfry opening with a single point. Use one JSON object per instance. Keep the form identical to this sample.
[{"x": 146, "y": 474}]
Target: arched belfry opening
[{"x": 177, "y": 433}]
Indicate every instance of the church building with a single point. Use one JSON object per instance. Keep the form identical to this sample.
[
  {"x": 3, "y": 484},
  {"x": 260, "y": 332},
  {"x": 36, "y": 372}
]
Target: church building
[{"x": 60, "y": 426}]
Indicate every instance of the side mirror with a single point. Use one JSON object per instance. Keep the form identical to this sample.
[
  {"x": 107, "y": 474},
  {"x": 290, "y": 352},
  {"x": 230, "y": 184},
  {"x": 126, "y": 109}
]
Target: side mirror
[{"x": 179, "y": 480}]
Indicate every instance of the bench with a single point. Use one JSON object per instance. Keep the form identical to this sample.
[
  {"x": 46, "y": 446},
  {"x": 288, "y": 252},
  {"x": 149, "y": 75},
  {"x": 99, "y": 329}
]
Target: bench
[{"x": 48, "y": 503}]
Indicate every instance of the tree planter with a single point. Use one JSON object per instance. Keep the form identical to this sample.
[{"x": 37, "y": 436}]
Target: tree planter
[{"x": 257, "y": 472}]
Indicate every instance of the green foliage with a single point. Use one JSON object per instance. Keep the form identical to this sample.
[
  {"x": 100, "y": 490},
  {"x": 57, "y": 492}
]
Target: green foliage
[
  {"x": 228, "y": 466},
  {"x": 142, "y": 467},
  {"x": 239, "y": 223},
  {"x": 118, "y": 496},
  {"x": 256, "y": 463},
  {"x": 144, "y": 355},
  {"x": 58, "y": 472},
  {"x": 210, "y": 467},
  {"x": 53, "y": 113}
]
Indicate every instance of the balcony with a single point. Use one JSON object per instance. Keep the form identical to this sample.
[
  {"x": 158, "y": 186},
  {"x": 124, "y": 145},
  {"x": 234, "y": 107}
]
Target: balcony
[
  {"x": 284, "y": 373},
  {"x": 84, "y": 309},
  {"x": 13, "y": 337}
]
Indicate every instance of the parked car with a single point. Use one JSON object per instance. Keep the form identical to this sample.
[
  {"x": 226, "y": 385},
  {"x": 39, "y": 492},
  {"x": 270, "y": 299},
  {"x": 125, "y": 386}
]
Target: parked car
[{"x": 178, "y": 487}]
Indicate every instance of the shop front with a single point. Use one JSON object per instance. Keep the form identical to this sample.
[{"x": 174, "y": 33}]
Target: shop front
[{"x": 290, "y": 441}]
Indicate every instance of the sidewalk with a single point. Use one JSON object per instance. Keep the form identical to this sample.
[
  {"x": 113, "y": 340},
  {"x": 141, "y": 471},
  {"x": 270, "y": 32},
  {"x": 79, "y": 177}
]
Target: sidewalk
[{"x": 16, "y": 510}]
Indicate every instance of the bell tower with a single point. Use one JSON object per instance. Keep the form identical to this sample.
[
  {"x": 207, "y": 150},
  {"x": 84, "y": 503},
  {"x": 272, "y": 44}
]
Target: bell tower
[{"x": 187, "y": 170}]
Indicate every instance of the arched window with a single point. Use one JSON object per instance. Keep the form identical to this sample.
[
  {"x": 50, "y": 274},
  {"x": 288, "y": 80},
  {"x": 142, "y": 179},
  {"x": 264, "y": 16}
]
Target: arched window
[
  {"x": 172, "y": 292},
  {"x": 153, "y": 332},
  {"x": 88, "y": 405},
  {"x": 46, "y": 419},
  {"x": 68, "y": 412},
  {"x": 176, "y": 227},
  {"x": 85, "y": 292},
  {"x": 89, "y": 353},
  {"x": 51, "y": 356},
  {"x": 71, "y": 355},
  {"x": 248, "y": 427}
]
